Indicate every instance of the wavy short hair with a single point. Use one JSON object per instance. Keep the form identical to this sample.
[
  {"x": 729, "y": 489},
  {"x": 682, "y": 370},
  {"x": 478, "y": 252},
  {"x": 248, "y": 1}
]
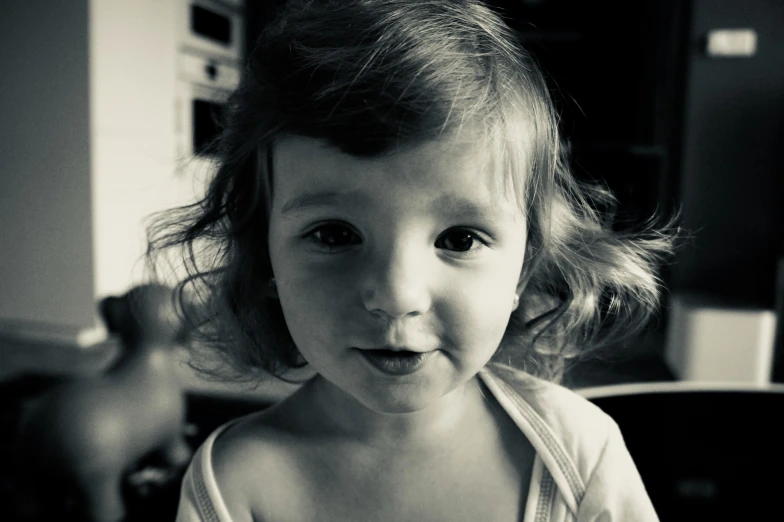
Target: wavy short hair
[{"x": 370, "y": 77}]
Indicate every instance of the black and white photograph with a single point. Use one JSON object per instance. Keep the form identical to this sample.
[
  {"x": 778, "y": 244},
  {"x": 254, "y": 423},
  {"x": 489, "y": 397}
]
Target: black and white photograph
[{"x": 391, "y": 260}]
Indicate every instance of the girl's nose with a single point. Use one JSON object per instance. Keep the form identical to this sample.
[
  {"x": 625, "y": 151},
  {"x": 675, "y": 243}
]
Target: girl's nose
[{"x": 396, "y": 284}]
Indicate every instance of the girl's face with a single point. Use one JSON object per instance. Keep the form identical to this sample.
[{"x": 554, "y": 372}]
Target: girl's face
[{"x": 397, "y": 275}]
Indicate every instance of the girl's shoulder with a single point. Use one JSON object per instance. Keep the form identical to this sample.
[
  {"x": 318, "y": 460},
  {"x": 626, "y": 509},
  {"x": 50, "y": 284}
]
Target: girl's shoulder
[
  {"x": 580, "y": 446},
  {"x": 568, "y": 432},
  {"x": 233, "y": 457},
  {"x": 249, "y": 460},
  {"x": 559, "y": 406}
]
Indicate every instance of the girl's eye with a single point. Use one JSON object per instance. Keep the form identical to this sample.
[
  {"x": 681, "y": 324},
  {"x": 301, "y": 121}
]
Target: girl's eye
[
  {"x": 459, "y": 240},
  {"x": 334, "y": 235}
]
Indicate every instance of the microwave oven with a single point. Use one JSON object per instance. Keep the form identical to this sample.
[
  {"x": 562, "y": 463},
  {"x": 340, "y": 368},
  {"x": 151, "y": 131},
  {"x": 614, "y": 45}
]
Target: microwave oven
[
  {"x": 211, "y": 27},
  {"x": 204, "y": 84}
]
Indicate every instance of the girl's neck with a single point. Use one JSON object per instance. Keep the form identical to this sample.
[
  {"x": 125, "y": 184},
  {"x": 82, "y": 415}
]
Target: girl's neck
[{"x": 339, "y": 414}]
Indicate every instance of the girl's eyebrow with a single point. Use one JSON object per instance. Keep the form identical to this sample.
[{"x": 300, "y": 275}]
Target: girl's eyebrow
[
  {"x": 447, "y": 204},
  {"x": 469, "y": 209},
  {"x": 302, "y": 202}
]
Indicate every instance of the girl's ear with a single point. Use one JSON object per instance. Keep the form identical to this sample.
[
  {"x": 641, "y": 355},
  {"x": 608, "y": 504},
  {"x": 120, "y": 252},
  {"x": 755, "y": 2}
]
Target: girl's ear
[
  {"x": 515, "y": 302},
  {"x": 525, "y": 276},
  {"x": 530, "y": 261},
  {"x": 521, "y": 283},
  {"x": 272, "y": 288}
]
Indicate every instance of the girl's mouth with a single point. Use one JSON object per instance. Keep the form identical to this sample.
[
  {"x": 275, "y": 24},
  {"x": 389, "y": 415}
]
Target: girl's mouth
[{"x": 397, "y": 362}]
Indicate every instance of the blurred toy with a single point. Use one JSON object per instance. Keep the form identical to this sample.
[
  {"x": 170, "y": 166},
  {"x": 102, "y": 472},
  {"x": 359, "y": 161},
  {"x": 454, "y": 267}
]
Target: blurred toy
[{"x": 84, "y": 435}]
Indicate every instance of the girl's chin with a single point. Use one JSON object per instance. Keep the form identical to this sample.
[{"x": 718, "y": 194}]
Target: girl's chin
[
  {"x": 386, "y": 397},
  {"x": 401, "y": 404},
  {"x": 395, "y": 387},
  {"x": 409, "y": 399}
]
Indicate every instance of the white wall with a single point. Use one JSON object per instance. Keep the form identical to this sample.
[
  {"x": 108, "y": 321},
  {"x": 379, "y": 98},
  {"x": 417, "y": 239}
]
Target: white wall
[
  {"x": 134, "y": 171},
  {"x": 46, "y": 266},
  {"x": 87, "y": 152}
]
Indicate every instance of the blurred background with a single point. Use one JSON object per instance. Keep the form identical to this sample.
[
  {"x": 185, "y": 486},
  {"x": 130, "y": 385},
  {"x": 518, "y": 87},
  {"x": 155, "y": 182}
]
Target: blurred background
[{"x": 107, "y": 107}]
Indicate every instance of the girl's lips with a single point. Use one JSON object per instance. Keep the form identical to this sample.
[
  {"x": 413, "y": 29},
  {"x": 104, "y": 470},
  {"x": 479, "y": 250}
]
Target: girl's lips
[{"x": 397, "y": 362}]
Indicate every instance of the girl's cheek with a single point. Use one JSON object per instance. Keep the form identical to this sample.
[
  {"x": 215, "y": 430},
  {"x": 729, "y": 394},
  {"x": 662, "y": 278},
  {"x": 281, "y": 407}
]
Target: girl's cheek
[{"x": 317, "y": 288}]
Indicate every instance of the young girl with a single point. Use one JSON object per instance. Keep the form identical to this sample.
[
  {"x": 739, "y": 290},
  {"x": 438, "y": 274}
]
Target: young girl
[{"x": 393, "y": 212}]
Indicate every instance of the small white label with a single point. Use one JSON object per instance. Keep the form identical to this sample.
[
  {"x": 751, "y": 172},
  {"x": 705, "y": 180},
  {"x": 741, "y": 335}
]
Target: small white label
[{"x": 731, "y": 43}]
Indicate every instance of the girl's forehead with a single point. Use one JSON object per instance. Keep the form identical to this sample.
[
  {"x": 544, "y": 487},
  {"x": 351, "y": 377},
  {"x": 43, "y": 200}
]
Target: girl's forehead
[
  {"x": 452, "y": 171},
  {"x": 310, "y": 161},
  {"x": 304, "y": 152}
]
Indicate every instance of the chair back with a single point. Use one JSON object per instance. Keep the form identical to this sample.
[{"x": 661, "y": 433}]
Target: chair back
[{"x": 704, "y": 451}]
